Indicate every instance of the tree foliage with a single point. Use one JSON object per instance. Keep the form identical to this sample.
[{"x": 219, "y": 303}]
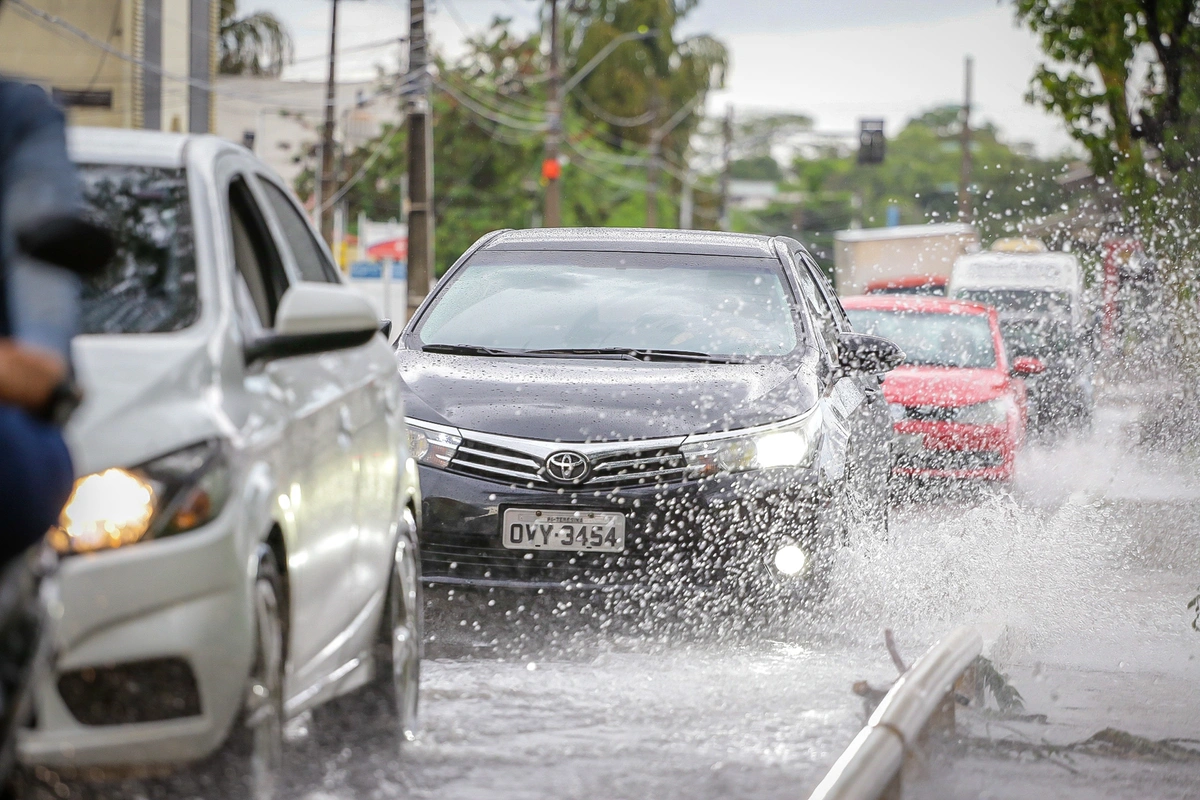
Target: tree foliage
[
  {"x": 489, "y": 123},
  {"x": 1009, "y": 187},
  {"x": 255, "y": 44},
  {"x": 1125, "y": 77}
]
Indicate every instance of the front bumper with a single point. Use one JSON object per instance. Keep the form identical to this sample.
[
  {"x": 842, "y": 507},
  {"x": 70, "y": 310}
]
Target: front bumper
[
  {"x": 691, "y": 534},
  {"x": 935, "y": 449},
  {"x": 140, "y": 630}
]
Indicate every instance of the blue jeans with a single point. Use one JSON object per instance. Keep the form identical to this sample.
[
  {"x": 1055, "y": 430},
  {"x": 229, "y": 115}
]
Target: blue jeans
[{"x": 36, "y": 476}]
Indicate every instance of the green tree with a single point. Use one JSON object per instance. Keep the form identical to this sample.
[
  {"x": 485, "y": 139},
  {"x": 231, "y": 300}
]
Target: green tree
[
  {"x": 759, "y": 168},
  {"x": 489, "y": 122},
  {"x": 1102, "y": 52},
  {"x": 641, "y": 84},
  {"x": 255, "y": 44},
  {"x": 1010, "y": 187}
]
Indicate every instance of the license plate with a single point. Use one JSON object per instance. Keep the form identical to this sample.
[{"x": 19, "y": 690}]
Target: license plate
[
  {"x": 909, "y": 444},
  {"x": 574, "y": 531}
]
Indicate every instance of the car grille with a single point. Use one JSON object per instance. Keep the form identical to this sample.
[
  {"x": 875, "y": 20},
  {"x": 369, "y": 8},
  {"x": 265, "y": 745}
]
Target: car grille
[
  {"x": 951, "y": 459},
  {"x": 930, "y": 413},
  {"x": 651, "y": 467}
]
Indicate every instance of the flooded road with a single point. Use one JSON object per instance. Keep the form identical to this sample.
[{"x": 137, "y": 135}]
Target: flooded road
[{"x": 1078, "y": 580}]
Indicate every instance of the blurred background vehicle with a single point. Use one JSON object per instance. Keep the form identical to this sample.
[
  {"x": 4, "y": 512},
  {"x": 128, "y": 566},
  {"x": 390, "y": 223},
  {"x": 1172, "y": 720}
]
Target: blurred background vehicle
[
  {"x": 932, "y": 285},
  {"x": 241, "y": 544},
  {"x": 866, "y": 257},
  {"x": 663, "y": 411},
  {"x": 1038, "y": 296},
  {"x": 958, "y": 404}
]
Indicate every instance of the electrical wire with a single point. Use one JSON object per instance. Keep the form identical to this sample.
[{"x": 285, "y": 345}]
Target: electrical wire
[
  {"x": 514, "y": 114},
  {"x": 383, "y": 144},
  {"x": 612, "y": 119},
  {"x": 507, "y": 121}
]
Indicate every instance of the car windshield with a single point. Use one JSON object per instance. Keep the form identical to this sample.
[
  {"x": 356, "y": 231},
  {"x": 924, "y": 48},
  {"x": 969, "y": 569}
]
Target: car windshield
[
  {"x": 150, "y": 286},
  {"x": 936, "y": 340},
  {"x": 539, "y": 300},
  {"x": 1038, "y": 336}
]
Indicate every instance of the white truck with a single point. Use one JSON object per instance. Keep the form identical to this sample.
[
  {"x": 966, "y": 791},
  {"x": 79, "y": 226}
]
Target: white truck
[
  {"x": 869, "y": 257},
  {"x": 1039, "y": 299}
]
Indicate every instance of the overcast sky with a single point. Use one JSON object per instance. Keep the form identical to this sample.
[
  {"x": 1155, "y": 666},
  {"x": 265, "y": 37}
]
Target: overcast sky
[{"x": 836, "y": 60}]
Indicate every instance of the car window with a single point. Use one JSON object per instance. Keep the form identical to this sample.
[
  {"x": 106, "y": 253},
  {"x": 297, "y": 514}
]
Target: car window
[
  {"x": 311, "y": 260},
  {"x": 568, "y": 299},
  {"x": 257, "y": 259},
  {"x": 933, "y": 340},
  {"x": 822, "y": 313},
  {"x": 150, "y": 285},
  {"x": 829, "y": 297}
]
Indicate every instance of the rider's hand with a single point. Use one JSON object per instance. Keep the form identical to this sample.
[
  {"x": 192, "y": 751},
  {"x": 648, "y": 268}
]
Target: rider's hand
[{"x": 28, "y": 375}]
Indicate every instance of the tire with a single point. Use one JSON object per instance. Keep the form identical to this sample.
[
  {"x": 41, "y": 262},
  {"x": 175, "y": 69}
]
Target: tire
[
  {"x": 385, "y": 708},
  {"x": 250, "y": 763},
  {"x": 398, "y": 659}
]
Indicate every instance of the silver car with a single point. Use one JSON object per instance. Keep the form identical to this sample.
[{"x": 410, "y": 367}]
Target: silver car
[{"x": 240, "y": 546}]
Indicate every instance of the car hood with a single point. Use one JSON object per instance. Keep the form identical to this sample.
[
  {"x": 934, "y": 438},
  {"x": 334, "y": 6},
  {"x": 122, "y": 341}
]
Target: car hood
[
  {"x": 144, "y": 395},
  {"x": 942, "y": 386},
  {"x": 574, "y": 400}
]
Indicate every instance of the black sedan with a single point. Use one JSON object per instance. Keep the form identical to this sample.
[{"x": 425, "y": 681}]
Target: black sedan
[{"x": 680, "y": 411}]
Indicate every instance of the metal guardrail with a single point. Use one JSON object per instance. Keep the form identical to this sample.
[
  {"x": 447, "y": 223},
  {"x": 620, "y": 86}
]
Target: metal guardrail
[{"x": 871, "y": 766}]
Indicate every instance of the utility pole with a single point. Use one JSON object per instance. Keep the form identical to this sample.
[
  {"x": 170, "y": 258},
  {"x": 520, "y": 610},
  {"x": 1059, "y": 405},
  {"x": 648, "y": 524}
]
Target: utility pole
[
  {"x": 551, "y": 169},
  {"x": 328, "y": 189},
  {"x": 964, "y": 178},
  {"x": 420, "y": 160},
  {"x": 727, "y": 160},
  {"x": 652, "y": 165},
  {"x": 687, "y": 202}
]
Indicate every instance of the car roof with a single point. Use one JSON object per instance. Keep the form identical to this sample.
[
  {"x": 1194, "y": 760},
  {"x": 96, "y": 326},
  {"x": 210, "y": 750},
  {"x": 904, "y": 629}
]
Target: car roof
[
  {"x": 635, "y": 240},
  {"x": 135, "y": 147},
  {"x": 914, "y": 303}
]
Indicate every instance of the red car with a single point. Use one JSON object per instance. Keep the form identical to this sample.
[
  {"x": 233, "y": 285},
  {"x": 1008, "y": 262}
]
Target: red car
[
  {"x": 927, "y": 285},
  {"x": 958, "y": 404}
]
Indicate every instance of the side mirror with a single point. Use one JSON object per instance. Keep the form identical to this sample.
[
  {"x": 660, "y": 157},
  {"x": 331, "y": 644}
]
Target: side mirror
[
  {"x": 385, "y": 327},
  {"x": 316, "y": 318},
  {"x": 861, "y": 352},
  {"x": 1026, "y": 365}
]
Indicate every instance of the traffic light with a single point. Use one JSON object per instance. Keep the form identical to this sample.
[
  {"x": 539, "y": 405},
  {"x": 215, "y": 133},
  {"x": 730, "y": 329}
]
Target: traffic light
[{"x": 871, "y": 144}]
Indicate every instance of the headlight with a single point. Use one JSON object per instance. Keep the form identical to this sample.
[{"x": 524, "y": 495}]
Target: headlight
[
  {"x": 897, "y": 411},
  {"x": 788, "y": 444},
  {"x": 992, "y": 412},
  {"x": 433, "y": 446},
  {"x": 172, "y": 494},
  {"x": 790, "y": 560}
]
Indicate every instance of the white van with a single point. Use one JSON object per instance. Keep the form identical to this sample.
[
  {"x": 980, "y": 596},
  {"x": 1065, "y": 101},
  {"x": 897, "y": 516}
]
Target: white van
[{"x": 1039, "y": 299}]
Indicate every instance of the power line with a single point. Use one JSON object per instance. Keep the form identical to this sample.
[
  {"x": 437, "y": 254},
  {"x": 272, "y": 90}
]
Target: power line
[
  {"x": 510, "y": 122},
  {"x": 383, "y": 144}
]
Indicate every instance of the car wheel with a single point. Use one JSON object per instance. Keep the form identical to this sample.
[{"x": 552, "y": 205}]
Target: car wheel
[
  {"x": 250, "y": 763},
  {"x": 385, "y": 708},
  {"x": 399, "y": 660}
]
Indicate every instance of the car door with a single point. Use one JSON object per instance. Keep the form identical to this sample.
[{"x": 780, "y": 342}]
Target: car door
[
  {"x": 370, "y": 416},
  {"x": 311, "y": 453}
]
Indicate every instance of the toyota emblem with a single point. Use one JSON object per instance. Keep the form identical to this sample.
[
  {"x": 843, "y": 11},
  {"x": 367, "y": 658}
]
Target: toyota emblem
[{"x": 567, "y": 467}]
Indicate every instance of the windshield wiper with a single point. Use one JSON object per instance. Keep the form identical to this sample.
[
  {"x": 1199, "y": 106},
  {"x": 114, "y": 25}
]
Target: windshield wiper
[
  {"x": 628, "y": 353},
  {"x": 470, "y": 350},
  {"x": 639, "y": 354}
]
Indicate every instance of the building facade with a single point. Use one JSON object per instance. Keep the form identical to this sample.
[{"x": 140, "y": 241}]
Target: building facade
[{"x": 119, "y": 63}]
